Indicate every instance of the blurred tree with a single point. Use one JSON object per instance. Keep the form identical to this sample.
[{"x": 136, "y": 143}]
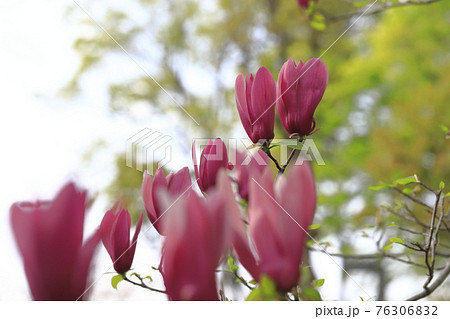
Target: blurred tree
[{"x": 381, "y": 114}]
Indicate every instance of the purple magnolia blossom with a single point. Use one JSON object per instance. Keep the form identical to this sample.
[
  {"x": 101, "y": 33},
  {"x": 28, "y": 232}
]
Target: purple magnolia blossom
[
  {"x": 175, "y": 183},
  {"x": 299, "y": 90},
  {"x": 255, "y": 100},
  {"x": 49, "y": 235},
  {"x": 213, "y": 157},
  {"x": 115, "y": 231},
  {"x": 278, "y": 219},
  {"x": 246, "y": 163},
  {"x": 197, "y": 234}
]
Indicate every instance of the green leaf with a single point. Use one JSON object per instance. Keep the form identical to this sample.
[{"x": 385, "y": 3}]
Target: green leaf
[
  {"x": 379, "y": 187},
  {"x": 441, "y": 185},
  {"x": 396, "y": 240},
  {"x": 311, "y": 8},
  {"x": 325, "y": 244},
  {"x": 318, "y": 283},
  {"x": 444, "y": 128},
  {"x": 266, "y": 291},
  {"x": 360, "y": 4},
  {"x": 310, "y": 242},
  {"x": 407, "y": 191},
  {"x": 310, "y": 294},
  {"x": 447, "y": 195},
  {"x": 392, "y": 224},
  {"x": 115, "y": 281},
  {"x": 387, "y": 247},
  {"x": 318, "y": 22},
  {"x": 231, "y": 264},
  {"x": 253, "y": 282},
  {"x": 405, "y": 180},
  {"x": 312, "y": 227}
]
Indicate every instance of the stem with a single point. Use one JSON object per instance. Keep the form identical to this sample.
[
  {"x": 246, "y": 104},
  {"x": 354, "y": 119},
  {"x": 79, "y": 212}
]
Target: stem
[
  {"x": 267, "y": 151},
  {"x": 266, "y": 148},
  {"x": 142, "y": 284},
  {"x": 283, "y": 168},
  {"x": 244, "y": 282}
]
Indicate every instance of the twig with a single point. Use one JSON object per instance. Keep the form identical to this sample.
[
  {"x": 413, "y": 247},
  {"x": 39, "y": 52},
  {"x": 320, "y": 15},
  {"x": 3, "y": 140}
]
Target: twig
[
  {"x": 409, "y": 262},
  {"x": 241, "y": 279},
  {"x": 431, "y": 288},
  {"x": 381, "y": 9},
  {"x": 414, "y": 199},
  {"x": 415, "y": 220},
  {"x": 432, "y": 240},
  {"x": 427, "y": 187},
  {"x": 142, "y": 284},
  {"x": 283, "y": 168},
  {"x": 378, "y": 255},
  {"x": 411, "y": 231},
  {"x": 267, "y": 151}
]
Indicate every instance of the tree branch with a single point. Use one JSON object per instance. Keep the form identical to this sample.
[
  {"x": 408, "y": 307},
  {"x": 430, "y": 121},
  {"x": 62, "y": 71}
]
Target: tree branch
[
  {"x": 381, "y": 9},
  {"x": 142, "y": 284},
  {"x": 428, "y": 290}
]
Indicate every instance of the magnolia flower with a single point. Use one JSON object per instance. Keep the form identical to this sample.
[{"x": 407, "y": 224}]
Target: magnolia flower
[
  {"x": 115, "y": 231},
  {"x": 49, "y": 235},
  {"x": 197, "y": 234},
  {"x": 299, "y": 90},
  {"x": 255, "y": 100},
  {"x": 278, "y": 221},
  {"x": 212, "y": 159},
  {"x": 175, "y": 183},
  {"x": 245, "y": 164}
]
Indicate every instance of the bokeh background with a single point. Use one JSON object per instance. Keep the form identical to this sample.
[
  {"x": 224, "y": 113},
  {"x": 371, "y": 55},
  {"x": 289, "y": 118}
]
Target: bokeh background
[{"x": 78, "y": 80}]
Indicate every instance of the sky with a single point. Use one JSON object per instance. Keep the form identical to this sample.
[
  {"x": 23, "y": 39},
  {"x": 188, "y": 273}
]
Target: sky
[{"x": 44, "y": 140}]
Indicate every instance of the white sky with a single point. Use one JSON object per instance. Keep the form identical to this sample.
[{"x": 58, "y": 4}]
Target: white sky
[{"x": 43, "y": 138}]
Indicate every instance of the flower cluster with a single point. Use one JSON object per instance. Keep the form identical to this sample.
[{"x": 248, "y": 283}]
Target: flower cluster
[
  {"x": 264, "y": 224},
  {"x": 299, "y": 89}
]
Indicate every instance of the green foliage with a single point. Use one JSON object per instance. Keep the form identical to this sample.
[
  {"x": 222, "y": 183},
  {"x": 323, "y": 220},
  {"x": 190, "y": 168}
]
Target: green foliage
[
  {"x": 233, "y": 267},
  {"x": 126, "y": 189},
  {"x": 115, "y": 280},
  {"x": 318, "y": 283},
  {"x": 310, "y": 294},
  {"x": 396, "y": 240},
  {"x": 139, "y": 277},
  {"x": 266, "y": 291},
  {"x": 318, "y": 22},
  {"x": 400, "y": 181}
]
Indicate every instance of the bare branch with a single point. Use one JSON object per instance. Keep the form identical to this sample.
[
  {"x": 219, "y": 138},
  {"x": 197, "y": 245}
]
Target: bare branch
[
  {"x": 431, "y": 288},
  {"x": 432, "y": 241},
  {"x": 414, "y": 199},
  {"x": 142, "y": 283},
  {"x": 381, "y": 8}
]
